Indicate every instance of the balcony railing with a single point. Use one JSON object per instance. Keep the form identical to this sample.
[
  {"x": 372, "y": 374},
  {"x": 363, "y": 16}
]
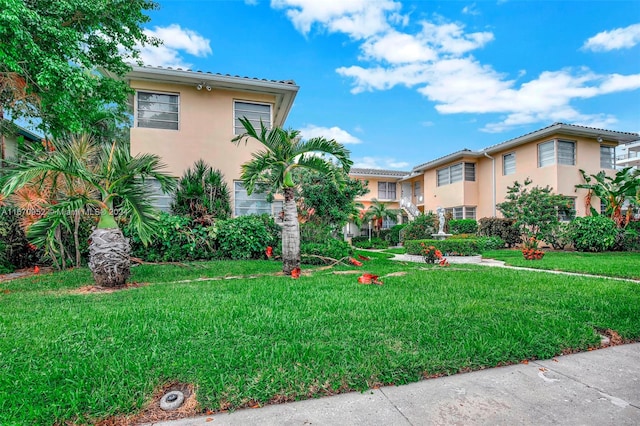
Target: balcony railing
[
  {"x": 630, "y": 155},
  {"x": 409, "y": 207}
]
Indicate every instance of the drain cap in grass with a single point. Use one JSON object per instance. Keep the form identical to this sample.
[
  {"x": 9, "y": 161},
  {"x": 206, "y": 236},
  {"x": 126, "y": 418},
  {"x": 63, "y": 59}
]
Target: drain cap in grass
[{"x": 171, "y": 400}]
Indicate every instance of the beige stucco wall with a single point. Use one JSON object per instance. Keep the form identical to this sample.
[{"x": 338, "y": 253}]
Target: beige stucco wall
[
  {"x": 562, "y": 178},
  {"x": 373, "y": 191},
  {"x": 205, "y": 130}
]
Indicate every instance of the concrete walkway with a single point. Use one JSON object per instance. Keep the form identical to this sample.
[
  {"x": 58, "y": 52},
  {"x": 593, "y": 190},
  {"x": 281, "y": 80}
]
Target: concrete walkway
[{"x": 600, "y": 387}]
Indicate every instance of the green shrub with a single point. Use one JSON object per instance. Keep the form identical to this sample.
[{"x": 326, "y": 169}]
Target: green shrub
[
  {"x": 499, "y": 227},
  {"x": 202, "y": 194},
  {"x": 630, "y": 240},
  {"x": 463, "y": 226},
  {"x": 420, "y": 228},
  {"x": 15, "y": 250},
  {"x": 557, "y": 235},
  {"x": 593, "y": 233},
  {"x": 394, "y": 234},
  {"x": 490, "y": 243},
  {"x": 448, "y": 247},
  {"x": 364, "y": 243},
  {"x": 246, "y": 237},
  {"x": 177, "y": 239},
  {"x": 331, "y": 248},
  {"x": 312, "y": 232}
]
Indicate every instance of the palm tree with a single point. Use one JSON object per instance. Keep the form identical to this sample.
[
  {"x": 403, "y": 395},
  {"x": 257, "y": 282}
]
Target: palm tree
[
  {"x": 202, "y": 194},
  {"x": 283, "y": 152},
  {"x": 613, "y": 191},
  {"x": 101, "y": 178},
  {"x": 378, "y": 212}
]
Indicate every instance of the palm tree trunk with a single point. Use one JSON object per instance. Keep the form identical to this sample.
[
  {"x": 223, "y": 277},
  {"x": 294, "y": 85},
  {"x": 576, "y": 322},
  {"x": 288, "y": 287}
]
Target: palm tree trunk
[
  {"x": 290, "y": 234},
  {"x": 109, "y": 257}
]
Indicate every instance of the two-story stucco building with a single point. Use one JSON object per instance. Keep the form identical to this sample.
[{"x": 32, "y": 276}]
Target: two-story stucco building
[{"x": 184, "y": 115}]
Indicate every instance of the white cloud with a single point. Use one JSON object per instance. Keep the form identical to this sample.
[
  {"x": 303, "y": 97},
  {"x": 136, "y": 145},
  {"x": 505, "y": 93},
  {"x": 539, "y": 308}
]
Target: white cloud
[
  {"x": 357, "y": 18},
  {"x": 471, "y": 9},
  {"x": 385, "y": 163},
  {"x": 251, "y": 2},
  {"x": 175, "y": 40},
  {"x": 619, "y": 38},
  {"x": 340, "y": 135},
  {"x": 437, "y": 62}
]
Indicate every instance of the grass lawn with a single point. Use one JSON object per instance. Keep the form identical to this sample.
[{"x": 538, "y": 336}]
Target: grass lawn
[
  {"x": 83, "y": 357},
  {"x": 611, "y": 264}
]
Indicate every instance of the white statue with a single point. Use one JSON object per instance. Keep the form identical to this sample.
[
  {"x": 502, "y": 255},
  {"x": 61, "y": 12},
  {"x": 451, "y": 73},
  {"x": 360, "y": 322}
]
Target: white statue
[{"x": 440, "y": 212}]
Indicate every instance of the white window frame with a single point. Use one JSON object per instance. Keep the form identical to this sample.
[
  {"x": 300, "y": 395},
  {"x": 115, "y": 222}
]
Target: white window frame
[
  {"x": 255, "y": 125},
  {"x": 555, "y": 144},
  {"x": 155, "y": 92},
  {"x": 562, "y": 217},
  {"x": 611, "y": 160},
  {"x": 388, "y": 185},
  {"x": 470, "y": 212},
  {"x": 444, "y": 176},
  {"x": 259, "y": 198},
  {"x": 467, "y": 176},
  {"x": 509, "y": 159}
]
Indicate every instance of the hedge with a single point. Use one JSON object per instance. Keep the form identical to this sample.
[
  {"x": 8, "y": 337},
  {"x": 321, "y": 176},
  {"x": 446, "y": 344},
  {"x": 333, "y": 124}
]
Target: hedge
[{"x": 448, "y": 247}]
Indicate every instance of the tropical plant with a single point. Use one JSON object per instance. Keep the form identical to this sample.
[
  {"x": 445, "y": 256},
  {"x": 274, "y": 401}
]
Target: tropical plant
[
  {"x": 331, "y": 201},
  {"x": 593, "y": 233},
  {"x": 50, "y": 51},
  {"x": 378, "y": 212},
  {"x": 102, "y": 179},
  {"x": 625, "y": 185},
  {"x": 283, "y": 151},
  {"x": 202, "y": 194},
  {"x": 535, "y": 210}
]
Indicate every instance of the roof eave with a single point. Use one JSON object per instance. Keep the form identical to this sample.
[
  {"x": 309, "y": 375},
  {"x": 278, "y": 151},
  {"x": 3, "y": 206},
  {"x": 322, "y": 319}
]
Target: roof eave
[
  {"x": 447, "y": 159},
  {"x": 284, "y": 92},
  {"x": 606, "y": 135}
]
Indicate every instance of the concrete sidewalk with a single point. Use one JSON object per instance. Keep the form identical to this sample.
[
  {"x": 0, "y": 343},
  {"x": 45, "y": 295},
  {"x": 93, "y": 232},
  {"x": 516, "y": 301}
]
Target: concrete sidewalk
[{"x": 600, "y": 387}]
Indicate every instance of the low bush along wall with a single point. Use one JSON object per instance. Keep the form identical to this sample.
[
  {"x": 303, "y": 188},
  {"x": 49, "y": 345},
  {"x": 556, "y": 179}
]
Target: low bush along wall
[{"x": 449, "y": 247}]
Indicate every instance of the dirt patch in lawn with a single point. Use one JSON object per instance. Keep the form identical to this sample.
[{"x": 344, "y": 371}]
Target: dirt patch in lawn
[
  {"x": 152, "y": 413},
  {"x": 92, "y": 289}
]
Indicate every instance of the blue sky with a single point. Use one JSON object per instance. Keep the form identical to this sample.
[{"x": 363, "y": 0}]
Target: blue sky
[{"x": 404, "y": 82}]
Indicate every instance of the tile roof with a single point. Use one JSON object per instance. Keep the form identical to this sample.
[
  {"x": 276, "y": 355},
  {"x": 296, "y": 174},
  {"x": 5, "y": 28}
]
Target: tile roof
[
  {"x": 378, "y": 172},
  {"x": 204, "y": 73}
]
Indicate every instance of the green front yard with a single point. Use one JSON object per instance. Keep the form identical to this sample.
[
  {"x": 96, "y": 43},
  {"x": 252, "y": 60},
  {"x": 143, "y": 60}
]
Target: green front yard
[
  {"x": 610, "y": 264},
  {"x": 68, "y": 356}
]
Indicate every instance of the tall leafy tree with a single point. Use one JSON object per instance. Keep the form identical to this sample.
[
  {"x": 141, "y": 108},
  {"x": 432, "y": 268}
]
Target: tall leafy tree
[
  {"x": 331, "y": 201},
  {"x": 282, "y": 152},
  {"x": 50, "y": 51},
  {"x": 378, "y": 212},
  {"x": 535, "y": 210},
  {"x": 83, "y": 176},
  {"x": 614, "y": 191}
]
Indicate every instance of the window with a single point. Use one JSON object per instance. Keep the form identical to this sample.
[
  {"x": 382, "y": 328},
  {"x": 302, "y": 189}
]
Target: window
[
  {"x": 568, "y": 212},
  {"x": 470, "y": 172},
  {"x": 546, "y": 154},
  {"x": 566, "y": 153},
  {"x": 443, "y": 177},
  {"x": 159, "y": 199},
  {"x": 387, "y": 190},
  {"x": 607, "y": 157},
  {"x": 388, "y": 223},
  {"x": 469, "y": 212},
  {"x": 454, "y": 173},
  {"x": 245, "y": 204},
  {"x": 157, "y": 110},
  {"x": 603, "y": 207},
  {"x": 509, "y": 164},
  {"x": 458, "y": 212},
  {"x": 252, "y": 111}
]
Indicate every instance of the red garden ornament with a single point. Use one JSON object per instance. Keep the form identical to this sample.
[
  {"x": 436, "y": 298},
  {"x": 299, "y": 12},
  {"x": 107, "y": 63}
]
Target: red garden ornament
[
  {"x": 355, "y": 262},
  {"x": 269, "y": 252},
  {"x": 295, "y": 273},
  {"x": 369, "y": 279}
]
